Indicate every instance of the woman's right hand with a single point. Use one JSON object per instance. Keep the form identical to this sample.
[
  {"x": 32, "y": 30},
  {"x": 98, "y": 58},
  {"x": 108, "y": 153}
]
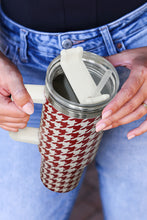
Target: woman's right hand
[{"x": 13, "y": 114}]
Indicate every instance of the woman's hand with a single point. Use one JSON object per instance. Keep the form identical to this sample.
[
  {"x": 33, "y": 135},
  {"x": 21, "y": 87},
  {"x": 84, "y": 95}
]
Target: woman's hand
[
  {"x": 13, "y": 114},
  {"x": 130, "y": 103}
]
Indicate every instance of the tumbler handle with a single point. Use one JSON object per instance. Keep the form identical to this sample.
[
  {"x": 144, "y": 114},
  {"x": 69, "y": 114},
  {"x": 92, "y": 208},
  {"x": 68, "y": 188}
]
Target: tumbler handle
[
  {"x": 36, "y": 92},
  {"x": 28, "y": 134}
]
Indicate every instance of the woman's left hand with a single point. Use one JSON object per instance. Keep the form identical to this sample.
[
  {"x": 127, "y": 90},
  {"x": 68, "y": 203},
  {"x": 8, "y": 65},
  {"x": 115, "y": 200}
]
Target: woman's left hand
[{"x": 130, "y": 103}]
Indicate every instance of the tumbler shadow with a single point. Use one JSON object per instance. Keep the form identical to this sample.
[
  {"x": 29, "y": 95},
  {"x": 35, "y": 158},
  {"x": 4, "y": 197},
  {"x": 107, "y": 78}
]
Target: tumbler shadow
[{"x": 88, "y": 204}]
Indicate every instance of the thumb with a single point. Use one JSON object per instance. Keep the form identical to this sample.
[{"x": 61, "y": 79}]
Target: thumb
[
  {"x": 121, "y": 59},
  {"x": 20, "y": 95}
]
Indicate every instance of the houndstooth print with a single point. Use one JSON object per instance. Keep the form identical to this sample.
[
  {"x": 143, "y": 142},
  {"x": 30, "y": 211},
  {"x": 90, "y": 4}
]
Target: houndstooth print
[{"x": 67, "y": 145}]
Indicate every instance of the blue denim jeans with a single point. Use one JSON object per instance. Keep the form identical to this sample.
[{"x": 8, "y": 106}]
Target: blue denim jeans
[{"x": 121, "y": 164}]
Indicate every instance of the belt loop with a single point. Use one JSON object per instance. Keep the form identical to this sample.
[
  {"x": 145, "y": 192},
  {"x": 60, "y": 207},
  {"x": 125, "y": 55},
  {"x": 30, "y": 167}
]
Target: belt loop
[
  {"x": 108, "y": 40},
  {"x": 23, "y": 45}
]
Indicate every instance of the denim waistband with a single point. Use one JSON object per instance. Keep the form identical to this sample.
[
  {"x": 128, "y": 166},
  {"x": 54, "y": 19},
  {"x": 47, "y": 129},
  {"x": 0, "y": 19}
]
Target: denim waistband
[{"x": 39, "y": 40}]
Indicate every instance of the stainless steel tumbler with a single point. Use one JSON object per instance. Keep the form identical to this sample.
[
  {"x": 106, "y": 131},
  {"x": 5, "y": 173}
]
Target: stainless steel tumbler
[{"x": 67, "y": 138}]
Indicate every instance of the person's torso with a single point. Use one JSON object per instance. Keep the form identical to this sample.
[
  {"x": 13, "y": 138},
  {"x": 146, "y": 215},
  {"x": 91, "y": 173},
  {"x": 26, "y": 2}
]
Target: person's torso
[{"x": 67, "y": 15}]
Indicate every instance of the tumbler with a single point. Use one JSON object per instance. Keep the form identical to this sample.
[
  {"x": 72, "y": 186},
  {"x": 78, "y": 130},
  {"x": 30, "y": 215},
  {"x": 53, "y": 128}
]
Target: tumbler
[{"x": 67, "y": 138}]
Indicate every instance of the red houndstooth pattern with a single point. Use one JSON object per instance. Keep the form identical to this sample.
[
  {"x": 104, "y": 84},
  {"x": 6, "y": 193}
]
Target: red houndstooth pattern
[{"x": 67, "y": 145}]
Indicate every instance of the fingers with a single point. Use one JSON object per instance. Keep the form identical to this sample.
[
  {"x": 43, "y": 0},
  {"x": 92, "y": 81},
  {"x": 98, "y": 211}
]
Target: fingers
[
  {"x": 135, "y": 115},
  {"x": 5, "y": 119},
  {"x": 138, "y": 131},
  {"x": 20, "y": 96},
  {"x": 8, "y": 128},
  {"x": 134, "y": 59},
  {"x": 13, "y": 114},
  {"x": 8, "y": 108},
  {"x": 127, "y": 92},
  {"x": 127, "y": 105},
  {"x": 127, "y": 57},
  {"x": 132, "y": 105},
  {"x": 120, "y": 59},
  {"x": 116, "y": 120},
  {"x": 135, "y": 132},
  {"x": 11, "y": 118},
  {"x": 11, "y": 82},
  {"x": 13, "y": 125}
]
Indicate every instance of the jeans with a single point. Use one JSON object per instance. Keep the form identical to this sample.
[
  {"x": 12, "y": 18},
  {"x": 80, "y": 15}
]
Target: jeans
[{"x": 121, "y": 164}]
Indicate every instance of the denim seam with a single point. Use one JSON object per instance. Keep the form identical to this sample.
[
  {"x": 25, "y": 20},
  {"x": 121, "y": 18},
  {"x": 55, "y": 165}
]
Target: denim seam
[
  {"x": 109, "y": 44},
  {"x": 4, "y": 49},
  {"x": 23, "y": 45},
  {"x": 15, "y": 55}
]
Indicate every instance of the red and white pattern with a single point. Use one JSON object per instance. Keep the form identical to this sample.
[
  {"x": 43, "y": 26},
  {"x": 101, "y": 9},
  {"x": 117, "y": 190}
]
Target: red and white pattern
[{"x": 67, "y": 145}]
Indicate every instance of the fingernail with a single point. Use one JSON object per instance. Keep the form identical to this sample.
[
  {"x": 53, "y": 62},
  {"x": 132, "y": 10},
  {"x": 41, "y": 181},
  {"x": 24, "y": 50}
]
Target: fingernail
[
  {"x": 28, "y": 108},
  {"x": 106, "y": 114},
  {"x": 107, "y": 128},
  {"x": 131, "y": 136},
  {"x": 100, "y": 127}
]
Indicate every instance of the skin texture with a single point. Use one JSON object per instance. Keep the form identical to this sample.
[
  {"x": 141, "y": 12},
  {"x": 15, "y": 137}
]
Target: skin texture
[
  {"x": 14, "y": 113},
  {"x": 127, "y": 105}
]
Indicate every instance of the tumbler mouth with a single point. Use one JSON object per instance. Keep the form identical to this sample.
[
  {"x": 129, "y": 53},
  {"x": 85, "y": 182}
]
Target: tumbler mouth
[{"x": 97, "y": 67}]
